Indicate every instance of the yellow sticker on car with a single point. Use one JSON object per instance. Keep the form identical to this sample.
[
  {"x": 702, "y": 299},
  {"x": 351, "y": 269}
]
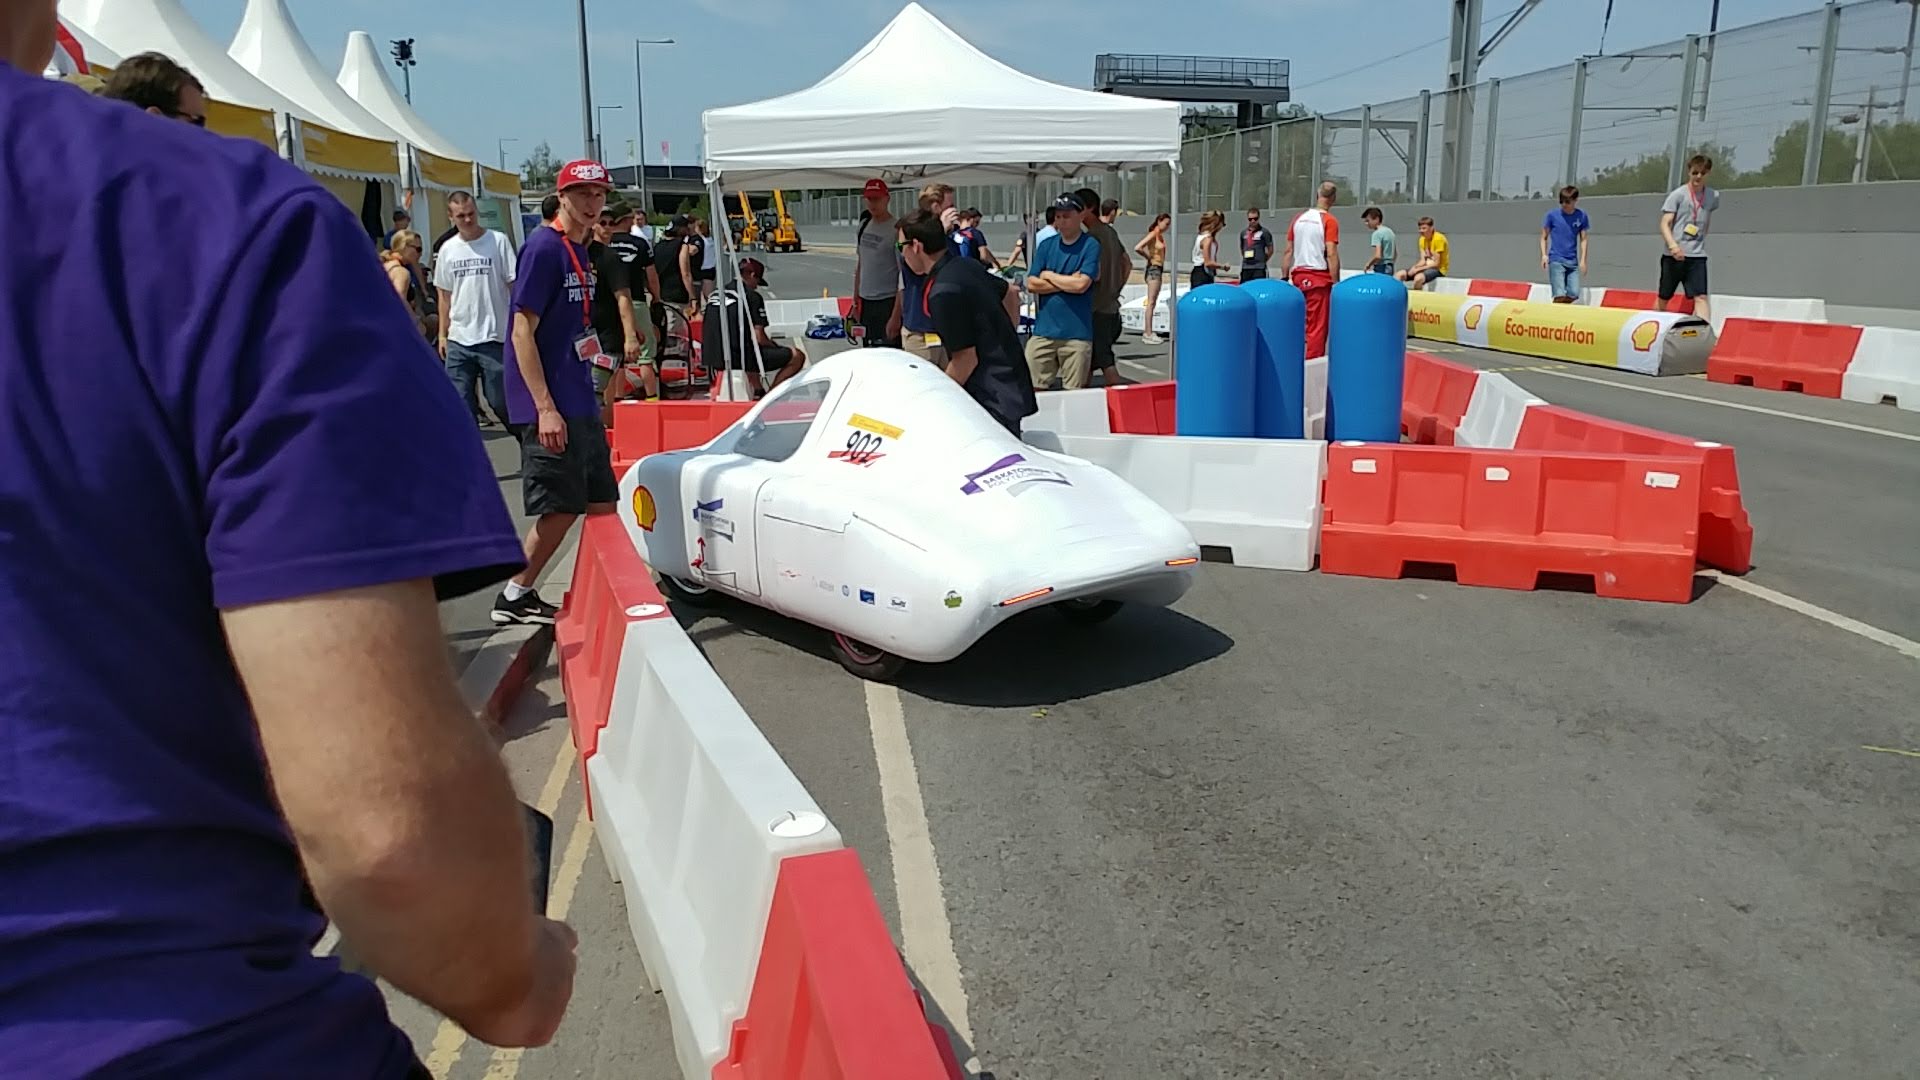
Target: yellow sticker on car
[{"x": 878, "y": 427}]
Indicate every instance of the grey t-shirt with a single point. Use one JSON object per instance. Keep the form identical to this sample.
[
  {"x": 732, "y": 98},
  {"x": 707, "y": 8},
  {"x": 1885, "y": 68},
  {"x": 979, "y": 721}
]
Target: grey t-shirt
[
  {"x": 879, "y": 273},
  {"x": 1686, "y": 212}
]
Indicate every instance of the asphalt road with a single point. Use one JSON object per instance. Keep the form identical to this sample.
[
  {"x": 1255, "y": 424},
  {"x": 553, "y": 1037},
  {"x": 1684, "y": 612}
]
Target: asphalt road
[{"x": 1310, "y": 826}]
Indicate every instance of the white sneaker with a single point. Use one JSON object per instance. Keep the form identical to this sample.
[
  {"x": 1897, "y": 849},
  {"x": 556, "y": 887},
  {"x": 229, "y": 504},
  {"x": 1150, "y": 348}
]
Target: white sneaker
[{"x": 1151, "y": 338}]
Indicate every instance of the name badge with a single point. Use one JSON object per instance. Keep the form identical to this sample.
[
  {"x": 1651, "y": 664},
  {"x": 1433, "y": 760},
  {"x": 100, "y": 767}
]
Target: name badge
[
  {"x": 1248, "y": 254},
  {"x": 586, "y": 348},
  {"x": 933, "y": 340},
  {"x": 1690, "y": 231}
]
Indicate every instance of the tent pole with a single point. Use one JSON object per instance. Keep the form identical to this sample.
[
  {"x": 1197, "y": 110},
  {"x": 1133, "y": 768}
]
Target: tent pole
[
  {"x": 1172, "y": 288},
  {"x": 725, "y": 370}
]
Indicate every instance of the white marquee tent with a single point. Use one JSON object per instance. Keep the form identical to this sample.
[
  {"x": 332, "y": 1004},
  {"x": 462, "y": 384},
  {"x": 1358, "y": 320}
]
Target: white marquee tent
[
  {"x": 363, "y": 77},
  {"x": 919, "y": 101},
  {"x": 130, "y": 27},
  {"x": 270, "y": 47}
]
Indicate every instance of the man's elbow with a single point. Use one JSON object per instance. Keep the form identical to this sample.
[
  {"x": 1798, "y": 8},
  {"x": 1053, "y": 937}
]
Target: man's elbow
[{"x": 377, "y": 854}]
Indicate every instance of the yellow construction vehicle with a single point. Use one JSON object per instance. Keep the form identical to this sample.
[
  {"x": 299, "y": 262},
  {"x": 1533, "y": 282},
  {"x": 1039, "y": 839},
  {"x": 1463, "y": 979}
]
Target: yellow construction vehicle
[
  {"x": 746, "y": 230},
  {"x": 783, "y": 234}
]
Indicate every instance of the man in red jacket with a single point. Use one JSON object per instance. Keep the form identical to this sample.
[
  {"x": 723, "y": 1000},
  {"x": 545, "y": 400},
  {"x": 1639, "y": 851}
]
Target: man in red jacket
[{"x": 1312, "y": 263}]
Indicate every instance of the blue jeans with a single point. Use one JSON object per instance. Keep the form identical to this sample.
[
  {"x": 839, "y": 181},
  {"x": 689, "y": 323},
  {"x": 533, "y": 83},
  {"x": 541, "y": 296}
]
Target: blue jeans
[
  {"x": 485, "y": 363},
  {"x": 1564, "y": 279}
]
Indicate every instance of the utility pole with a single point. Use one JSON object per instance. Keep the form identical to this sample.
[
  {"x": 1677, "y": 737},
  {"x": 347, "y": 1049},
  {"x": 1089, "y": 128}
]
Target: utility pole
[
  {"x": 640, "y": 118},
  {"x": 600, "y": 146},
  {"x": 403, "y": 59},
  {"x": 586, "y": 85},
  {"x": 501, "y": 145}
]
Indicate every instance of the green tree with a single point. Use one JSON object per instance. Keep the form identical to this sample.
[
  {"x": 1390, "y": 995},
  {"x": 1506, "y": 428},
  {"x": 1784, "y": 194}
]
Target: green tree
[
  {"x": 1893, "y": 153},
  {"x": 538, "y": 171},
  {"x": 1649, "y": 174}
]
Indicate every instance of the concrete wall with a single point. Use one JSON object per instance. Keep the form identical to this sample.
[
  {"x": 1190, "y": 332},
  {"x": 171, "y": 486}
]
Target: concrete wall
[{"x": 1856, "y": 246}]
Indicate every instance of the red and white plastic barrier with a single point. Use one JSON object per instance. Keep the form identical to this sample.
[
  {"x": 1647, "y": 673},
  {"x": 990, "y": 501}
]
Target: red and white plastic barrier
[
  {"x": 702, "y": 824},
  {"x": 1872, "y": 364}
]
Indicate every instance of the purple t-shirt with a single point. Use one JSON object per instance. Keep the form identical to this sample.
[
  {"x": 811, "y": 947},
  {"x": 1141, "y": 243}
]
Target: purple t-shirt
[
  {"x": 548, "y": 286},
  {"x": 209, "y": 397}
]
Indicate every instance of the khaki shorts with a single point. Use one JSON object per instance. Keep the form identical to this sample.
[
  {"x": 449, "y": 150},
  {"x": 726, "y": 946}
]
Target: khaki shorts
[
  {"x": 1071, "y": 360},
  {"x": 916, "y": 343}
]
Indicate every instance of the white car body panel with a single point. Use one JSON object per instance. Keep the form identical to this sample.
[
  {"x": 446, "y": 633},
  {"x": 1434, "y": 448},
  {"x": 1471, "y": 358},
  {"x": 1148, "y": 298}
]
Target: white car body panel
[{"x": 904, "y": 518}]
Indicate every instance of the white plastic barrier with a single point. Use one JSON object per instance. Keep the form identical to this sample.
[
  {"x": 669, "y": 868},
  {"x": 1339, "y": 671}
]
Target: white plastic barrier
[
  {"x": 1258, "y": 498},
  {"x": 1450, "y": 286},
  {"x": 1885, "y": 368},
  {"x": 694, "y": 811},
  {"x": 1072, "y": 412},
  {"x": 799, "y": 311},
  {"x": 1785, "y": 308},
  {"x": 1494, "y": 413},
  {"x": 1315, "y": 404}
]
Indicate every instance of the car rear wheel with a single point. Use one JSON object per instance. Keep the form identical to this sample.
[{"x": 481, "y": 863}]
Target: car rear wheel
[
  {"x": 866, "y": 661},
  {"x": 1087, "y": 610},
  {"x": 681, "y": 591}
]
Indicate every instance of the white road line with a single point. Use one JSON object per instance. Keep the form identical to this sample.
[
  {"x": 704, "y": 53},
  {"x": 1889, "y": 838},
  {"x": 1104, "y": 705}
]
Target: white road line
[
  {"x": 1905, "y": 647},
  {"x": 1730, "y": 405},
  {"x": 916, "y": 875},
  {"x": 449, "y": 1039}
]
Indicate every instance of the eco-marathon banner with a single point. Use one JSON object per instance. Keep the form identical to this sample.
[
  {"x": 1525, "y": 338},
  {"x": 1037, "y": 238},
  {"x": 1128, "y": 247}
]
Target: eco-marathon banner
[{"x": 1649, "y": 342}]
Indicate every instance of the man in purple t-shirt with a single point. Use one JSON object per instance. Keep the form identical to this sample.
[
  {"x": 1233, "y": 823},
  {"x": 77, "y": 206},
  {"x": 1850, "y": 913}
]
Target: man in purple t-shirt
[
  {"x": 221, "y": 662},
  {"x": 566, "y": 467}
]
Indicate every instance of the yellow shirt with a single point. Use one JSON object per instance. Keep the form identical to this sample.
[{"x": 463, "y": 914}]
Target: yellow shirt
[{"x": 1435, "y": 248}]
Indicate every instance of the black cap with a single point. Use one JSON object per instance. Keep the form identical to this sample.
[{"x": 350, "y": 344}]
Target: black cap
[
  {"x": 680, "y": 223},
  {"x": 1068, "y": 202}
]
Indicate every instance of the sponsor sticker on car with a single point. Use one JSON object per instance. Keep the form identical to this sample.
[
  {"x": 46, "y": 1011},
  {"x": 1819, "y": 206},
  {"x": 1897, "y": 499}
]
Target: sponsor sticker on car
[{"x": 1011, "y": 471}]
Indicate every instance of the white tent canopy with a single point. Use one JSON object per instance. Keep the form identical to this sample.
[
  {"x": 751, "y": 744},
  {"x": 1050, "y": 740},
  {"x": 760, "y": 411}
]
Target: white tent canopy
[
  {"x": 97, "y": 54},
  {"x": 919, "y": 101},
  {"x": 270, "y": 46},
  {"x": 364, "y": 78},
  {"x": 131, "y": 27}
]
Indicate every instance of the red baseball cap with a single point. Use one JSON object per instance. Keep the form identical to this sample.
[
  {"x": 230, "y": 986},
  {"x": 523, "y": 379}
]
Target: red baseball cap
[
  {"x": 583, "y": 171},
  {"x": 877, "y": 188}
]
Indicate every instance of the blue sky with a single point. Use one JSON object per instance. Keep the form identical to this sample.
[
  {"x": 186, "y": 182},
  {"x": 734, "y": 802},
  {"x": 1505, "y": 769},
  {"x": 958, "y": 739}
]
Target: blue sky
[{"x": 506, "y": 69}]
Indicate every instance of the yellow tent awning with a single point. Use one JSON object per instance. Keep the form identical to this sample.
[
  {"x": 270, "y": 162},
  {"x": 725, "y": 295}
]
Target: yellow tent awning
[
  {"x": 500, "y": 183},
  {"x": 336, "y": 153},
  {"x": 446, "y": 174},
  {"x": 243, "y": 122}
]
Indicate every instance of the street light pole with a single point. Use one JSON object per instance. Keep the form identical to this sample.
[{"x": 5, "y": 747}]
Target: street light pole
[
  {"x": 600, "y": 119},
  {"x": 586, "y": 84},
  {"x": 501, "y": 145},
  {"x": 640, "y": 118}
]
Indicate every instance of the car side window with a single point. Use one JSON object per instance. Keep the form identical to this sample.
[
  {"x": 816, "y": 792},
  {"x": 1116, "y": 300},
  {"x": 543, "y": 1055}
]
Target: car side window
[{"x": 784, "y": 421}]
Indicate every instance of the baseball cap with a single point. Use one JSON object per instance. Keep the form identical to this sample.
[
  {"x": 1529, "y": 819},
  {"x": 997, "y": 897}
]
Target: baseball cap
[
  {"x": 1068, "y": 202},
  {"x": 751, "y": 265},
  {"x": 680, "y": 223},
  {"x": 876, "y": 188},
  {"x": 575, "y": 173}
]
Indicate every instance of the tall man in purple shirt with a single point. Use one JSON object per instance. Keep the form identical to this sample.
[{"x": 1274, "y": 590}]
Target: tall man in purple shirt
[
  {"x": 566, "y": 467},
  {"x": 232, "y": 482}
]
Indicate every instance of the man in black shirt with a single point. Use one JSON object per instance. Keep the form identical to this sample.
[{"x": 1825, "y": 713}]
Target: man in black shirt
[
  {"x": 975, "y": 313},
  {"x": 724, "y": 306},
  {"x": 621, "y": 261}
]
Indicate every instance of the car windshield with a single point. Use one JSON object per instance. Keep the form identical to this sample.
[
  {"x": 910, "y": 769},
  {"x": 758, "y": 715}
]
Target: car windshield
[{"x": 782, "y": 425}]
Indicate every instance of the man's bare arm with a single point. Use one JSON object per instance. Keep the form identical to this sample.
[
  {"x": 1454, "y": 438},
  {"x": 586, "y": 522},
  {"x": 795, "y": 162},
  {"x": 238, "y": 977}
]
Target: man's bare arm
[
  {"x": 1070, "y": 283},
  {"x": 526, "y": 355},
  {"x": 446, "y": 314},
  {"x": 1333, "y": 259},
  {"x": 403, "y": 814}
]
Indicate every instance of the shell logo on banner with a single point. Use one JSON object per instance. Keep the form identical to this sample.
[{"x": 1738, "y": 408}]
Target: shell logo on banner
[
  {"x": 1644, "y": 335},
  {"x": 1472, "y": 316}
]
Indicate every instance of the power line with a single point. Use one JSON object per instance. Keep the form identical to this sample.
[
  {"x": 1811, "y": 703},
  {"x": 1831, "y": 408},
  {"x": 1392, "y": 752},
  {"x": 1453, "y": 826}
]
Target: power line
[{"x": 1376, "y": 62}]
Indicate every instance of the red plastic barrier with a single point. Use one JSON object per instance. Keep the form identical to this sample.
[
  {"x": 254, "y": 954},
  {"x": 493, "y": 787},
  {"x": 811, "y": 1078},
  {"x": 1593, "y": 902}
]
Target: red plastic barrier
[
  {"x": 1501, "y": 518},
  {"x": 1503, "y": 290},
  {"x": 1808, "y": 358},
  {"x": 1434, "y": 397},
  {"x": 651, "y": 427},
  {"x": 846, "y": 305},
  {"x": 1642, "y": 300},
  {"x": 1141, "y": 408},
  {"x": 831, "y": 1000},
  {"x": 1726, "y": 536},
  {"x": 612, "y": 588}
]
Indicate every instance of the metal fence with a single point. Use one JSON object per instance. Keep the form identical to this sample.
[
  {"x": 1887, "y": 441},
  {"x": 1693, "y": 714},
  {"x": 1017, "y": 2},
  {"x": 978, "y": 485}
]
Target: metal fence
[{"x": 1619, "y": 124}]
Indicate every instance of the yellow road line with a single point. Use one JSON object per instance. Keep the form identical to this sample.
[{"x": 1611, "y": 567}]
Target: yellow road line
[
  {"x": 1891, "y": 750},
  {"x": 505, "y": 1064},
  {"x": 450, "y": 1039}
]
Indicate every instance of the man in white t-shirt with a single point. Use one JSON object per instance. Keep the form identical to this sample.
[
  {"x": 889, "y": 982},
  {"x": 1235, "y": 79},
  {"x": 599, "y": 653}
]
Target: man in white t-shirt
[
  {"x": 474, "y": 273},
  {"x": 1312, "y": 263}
]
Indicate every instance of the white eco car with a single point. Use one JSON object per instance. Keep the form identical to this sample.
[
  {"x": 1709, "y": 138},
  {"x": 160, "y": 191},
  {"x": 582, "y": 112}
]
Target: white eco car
[{"x": 871, "y": 497}]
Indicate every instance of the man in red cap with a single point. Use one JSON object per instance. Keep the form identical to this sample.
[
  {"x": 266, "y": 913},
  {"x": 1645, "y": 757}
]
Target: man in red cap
[
  {"x": 565, "y": 466},
  {"x": 876, "y": 272}
]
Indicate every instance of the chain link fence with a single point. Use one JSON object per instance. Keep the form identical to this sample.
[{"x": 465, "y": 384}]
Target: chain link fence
[{"x": 1618, "y": 124}]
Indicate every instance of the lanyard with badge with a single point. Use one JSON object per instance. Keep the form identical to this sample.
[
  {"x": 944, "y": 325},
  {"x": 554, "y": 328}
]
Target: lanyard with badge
[
  {"x": 1247, "y": 241},
  {"x": 1693, "y": 228},
  {"x": 586, "y": 347}
]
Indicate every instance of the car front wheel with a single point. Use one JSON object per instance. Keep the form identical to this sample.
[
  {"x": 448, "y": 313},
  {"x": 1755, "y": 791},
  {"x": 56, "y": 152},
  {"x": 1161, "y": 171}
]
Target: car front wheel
[
  {"x": 866, "y": 661},
  {"x": 1087, "y": 610}
]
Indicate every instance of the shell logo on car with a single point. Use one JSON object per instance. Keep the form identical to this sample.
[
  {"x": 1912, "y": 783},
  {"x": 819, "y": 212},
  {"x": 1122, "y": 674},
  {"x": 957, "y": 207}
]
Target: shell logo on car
[
  {"x": 1644, "y": 335},
  {"x": 644, "y": 512}
]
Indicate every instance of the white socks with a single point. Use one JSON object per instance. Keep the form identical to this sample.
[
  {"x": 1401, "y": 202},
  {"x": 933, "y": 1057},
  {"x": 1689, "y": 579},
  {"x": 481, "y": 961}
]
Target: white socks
[{"x": 514, "y": 591}]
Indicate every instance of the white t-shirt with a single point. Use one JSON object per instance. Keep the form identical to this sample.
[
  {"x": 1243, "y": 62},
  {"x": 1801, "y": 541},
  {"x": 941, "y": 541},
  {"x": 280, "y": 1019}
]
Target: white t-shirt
[
  {"x": 477, "y": 275},
  {"x": 710, "y": 254},
  {"x": 1313, "y": 231}
]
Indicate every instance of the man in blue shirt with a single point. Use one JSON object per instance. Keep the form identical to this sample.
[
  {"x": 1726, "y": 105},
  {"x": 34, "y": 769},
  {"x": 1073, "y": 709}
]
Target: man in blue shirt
[
  {"x": 1065, "y": 266},
  {"x": 223, "y": 664},
  {"x": 1563, "y": 247}
]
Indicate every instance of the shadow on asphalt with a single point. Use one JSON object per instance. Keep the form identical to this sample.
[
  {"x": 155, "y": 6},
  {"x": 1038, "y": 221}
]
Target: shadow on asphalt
[
  {"x": 1033, "y": 659},
  {"x": 534, "y": 713}
]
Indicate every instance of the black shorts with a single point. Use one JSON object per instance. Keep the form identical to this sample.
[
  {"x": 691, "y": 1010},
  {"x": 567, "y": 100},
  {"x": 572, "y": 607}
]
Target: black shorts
[
  {"x": 1252, "y": 273},
  {"x": 706, "y": 273},
  {"x": 1106, "y": 331},
  {"x": 566, "y": 482},
  {"x": 1689, "y": 275},
  {"x": 873, "y": 319},
  {"x": 772, "y": 358}
]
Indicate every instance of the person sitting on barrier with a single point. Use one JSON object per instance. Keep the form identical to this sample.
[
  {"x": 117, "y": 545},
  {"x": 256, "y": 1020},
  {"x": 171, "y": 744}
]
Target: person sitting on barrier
[
  {"x": 260, "y": 685},
  {"x": 748, "y": 346},
  {"x": 1563, "y": 246},
  {"x": 1435, "y": 258},
  {"x": 1380, "y": 261}
]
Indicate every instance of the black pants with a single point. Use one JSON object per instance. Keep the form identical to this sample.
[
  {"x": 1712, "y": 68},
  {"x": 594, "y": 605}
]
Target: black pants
[
  {"x": 1252, "y": 273},
  {"x": 872, "y": 316},
  {"x": 1106, "y": 331}
]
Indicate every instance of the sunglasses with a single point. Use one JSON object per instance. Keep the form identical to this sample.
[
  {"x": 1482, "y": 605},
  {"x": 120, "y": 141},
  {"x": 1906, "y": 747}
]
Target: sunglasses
[{"x": 197, "y": 121}]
